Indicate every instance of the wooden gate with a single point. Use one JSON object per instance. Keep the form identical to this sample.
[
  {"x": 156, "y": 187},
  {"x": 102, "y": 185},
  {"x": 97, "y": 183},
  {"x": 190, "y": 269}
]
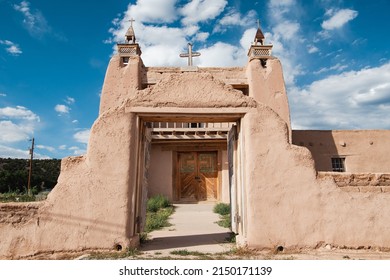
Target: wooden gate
[{"x": 197, "y": 176}]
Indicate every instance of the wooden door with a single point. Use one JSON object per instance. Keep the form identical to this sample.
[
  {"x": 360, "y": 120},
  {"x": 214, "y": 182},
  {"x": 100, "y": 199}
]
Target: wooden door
[{"x": 198, "y": 176}]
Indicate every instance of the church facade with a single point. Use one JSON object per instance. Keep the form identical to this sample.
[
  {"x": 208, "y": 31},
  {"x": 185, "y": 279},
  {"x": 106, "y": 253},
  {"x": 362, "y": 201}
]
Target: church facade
[{"x": 208, "y": 134}]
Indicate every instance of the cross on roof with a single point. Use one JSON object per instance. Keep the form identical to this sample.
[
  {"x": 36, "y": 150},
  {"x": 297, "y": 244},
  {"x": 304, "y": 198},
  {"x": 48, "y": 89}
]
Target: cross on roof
[
  {"x": 258, "y": 23},
  {"x": 190, "y": 54},
  {"x": 131, "y": 22}
]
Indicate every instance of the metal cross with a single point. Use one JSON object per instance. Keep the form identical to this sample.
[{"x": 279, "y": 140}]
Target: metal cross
[
  {"x": 190, "y": 54},
  {"x": 258, "y": 23},
  {"x": 131, "y": 22}
]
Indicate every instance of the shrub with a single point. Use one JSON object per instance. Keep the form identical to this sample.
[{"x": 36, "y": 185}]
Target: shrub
[
  {"x": 158, "y": 220},
  {"x": 222, "y": 209},
  {"x": 157, "y": 202},
  {"x": 225, "y": 221}
]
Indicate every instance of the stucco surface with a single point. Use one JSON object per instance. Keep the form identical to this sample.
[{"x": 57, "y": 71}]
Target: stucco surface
[
  {"x": 160, "y": 178},
  {"x": 90, "y": 207},
  {"x": 266, "y": 85},
  {"x": 364, "y": 150},
  {"x": 190, "y": 90},
  {"x": 290, "y": 207}
]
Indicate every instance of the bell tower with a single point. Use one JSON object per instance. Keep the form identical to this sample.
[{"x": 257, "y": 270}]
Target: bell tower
[
  {"x": 129, "y": 48},
  {"x": 258, "y": 49}
]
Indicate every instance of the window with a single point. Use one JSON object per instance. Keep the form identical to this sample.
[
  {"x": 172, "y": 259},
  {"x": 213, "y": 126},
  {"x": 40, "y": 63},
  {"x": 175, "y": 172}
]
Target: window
[
  {"x": 338, "y": 164},
  {"x": 243, "y": 88},
  {"x": 125, "y": 60}
]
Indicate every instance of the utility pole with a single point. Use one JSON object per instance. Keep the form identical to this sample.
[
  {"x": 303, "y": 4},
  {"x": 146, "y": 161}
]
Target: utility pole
[{"x": 30, "y": 169}]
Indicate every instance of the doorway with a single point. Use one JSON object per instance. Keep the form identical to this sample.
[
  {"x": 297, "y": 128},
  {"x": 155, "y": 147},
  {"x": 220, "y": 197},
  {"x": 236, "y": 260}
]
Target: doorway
[{"x": 197, "y": 176}]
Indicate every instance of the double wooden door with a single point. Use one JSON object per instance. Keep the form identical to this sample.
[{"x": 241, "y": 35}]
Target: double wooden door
[{"x": 197, "y": 176}]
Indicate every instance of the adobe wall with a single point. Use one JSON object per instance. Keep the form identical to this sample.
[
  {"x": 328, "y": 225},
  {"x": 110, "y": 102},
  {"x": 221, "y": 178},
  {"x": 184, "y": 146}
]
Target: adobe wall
[
  {"x": 90, "y": 207},
  {"x": 359, "y": 182},
  {"x": 266, "y": 86},
  {"x": 225, "y": 192},
  {"x": 288, "y": 206},
  {"x": 160, "y": 173},
  {"x": 229, "y": 75},
  {"x": 364, "y": 150},
  {"x": 93, "y": 206}
]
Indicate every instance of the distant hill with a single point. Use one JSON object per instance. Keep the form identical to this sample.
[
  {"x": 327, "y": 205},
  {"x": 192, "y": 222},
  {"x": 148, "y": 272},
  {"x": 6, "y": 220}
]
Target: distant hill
[{"x": 14, "y": 174}]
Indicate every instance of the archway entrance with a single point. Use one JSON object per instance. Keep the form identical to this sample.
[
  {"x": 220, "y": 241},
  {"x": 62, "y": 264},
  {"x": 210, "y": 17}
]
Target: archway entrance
[{"x": 190, "y": 156}]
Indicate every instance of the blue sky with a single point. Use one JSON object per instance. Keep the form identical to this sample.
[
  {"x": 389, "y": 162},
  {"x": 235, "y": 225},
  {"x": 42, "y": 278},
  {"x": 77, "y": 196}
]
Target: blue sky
[{"x": 53, "y": 57}]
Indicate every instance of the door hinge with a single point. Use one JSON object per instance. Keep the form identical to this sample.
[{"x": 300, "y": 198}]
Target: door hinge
[{"x": 237, "y": 218}]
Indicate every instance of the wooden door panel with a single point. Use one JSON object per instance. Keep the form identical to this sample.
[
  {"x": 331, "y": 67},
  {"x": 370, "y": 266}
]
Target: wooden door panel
[
  {"x": 198, "y": 176},
  {"x": 208, "y": 173},
  {"x": 187, "y": 173}
]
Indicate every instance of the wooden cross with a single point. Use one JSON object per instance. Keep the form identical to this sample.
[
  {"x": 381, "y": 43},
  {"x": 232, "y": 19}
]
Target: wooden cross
[{"x": 190, "y": 54}]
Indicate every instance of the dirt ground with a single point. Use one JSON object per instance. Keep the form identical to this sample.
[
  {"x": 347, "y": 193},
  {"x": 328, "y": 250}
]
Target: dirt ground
[{"x": 324, "y": 253}]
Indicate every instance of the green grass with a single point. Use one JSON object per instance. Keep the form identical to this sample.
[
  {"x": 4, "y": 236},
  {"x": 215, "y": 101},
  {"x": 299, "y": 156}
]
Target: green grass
[
  {"x": 158, "y": 210},
  {"x": 157, "y": 220},
  {"x": 16, "y": 197},
  {"x": 133, "y": 252},
  {"x": 185, "y": 252},
  {"x": 157, "y": 202},
  {"x": 222, "y": 209}
]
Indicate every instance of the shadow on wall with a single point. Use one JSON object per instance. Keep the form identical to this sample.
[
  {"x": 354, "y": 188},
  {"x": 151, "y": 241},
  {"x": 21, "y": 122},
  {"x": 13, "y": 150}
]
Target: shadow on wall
[{"x": 322, "y": 146}]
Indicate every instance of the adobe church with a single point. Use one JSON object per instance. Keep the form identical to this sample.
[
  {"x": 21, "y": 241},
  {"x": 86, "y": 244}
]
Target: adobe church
[{"x": 208, "y": 134}]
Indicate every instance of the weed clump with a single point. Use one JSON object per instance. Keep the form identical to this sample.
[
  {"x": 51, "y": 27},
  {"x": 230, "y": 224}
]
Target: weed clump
[
  {"x": 157, "y": 202},
  {"x": 222, "y": 209},
  {"x": 158, "y": 210}
]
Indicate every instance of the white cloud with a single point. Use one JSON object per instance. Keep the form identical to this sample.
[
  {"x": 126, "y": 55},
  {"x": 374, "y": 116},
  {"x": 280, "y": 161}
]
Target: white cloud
[
  {"x": 286, "y": 38},
  {"x": 33, "y": 21},
  {"x": 287, "y": 29},
  {"x": 18, "y": 112},
  {"x": 2, "y": 94},
  {"x": 201, "y": 10},
  {"x": 12, "y": 47},
  {"x": 62, "y": 109},
  {"x": 77, "y": 151},
  {"x": 70, "y": 100},
  {"x": 10, "y": 152},
  {"x": 222, "y": 54},
  {"x": 48, "y": 148},
  {"x": 338, "y": 18},
  {"x": 11, "y": 132},
  {"x": 350, "y": 100},
  {"x": 152, "y": 11},
  {"x": 337, "y": 67},
  {"x": 17, "y": 124},
  {"x": 278, "y": 9},
  {"x": 235, "y": 18},
  {"x": 82, "y": 136},
  {"x": 312, "y": 49},
  {"x": 62, "y": 147},
  {"x": 201, "y": 36},
  {"x": 162, "y": 44},
  {"x": 75, "y": 121}
]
